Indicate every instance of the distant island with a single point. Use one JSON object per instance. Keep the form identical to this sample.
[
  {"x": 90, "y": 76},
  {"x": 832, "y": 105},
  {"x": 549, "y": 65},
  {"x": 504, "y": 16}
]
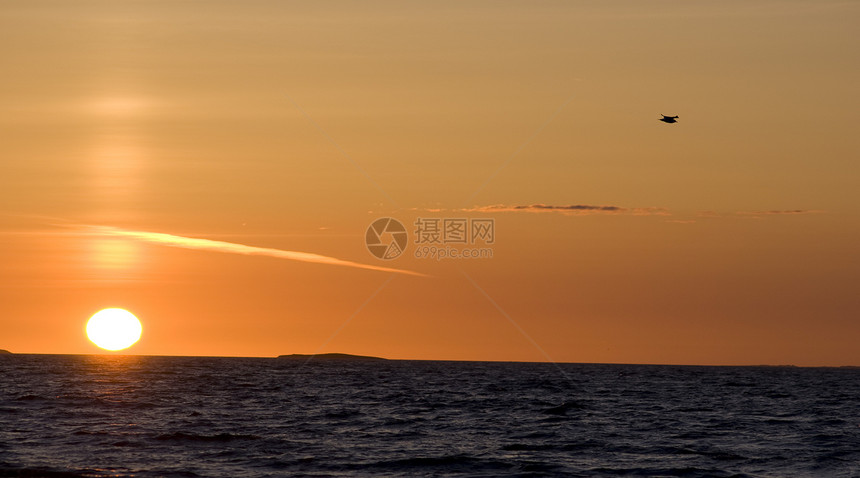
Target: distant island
[
  {"x": 2, "y": 352},
  {"x": 332, "y": 357}
]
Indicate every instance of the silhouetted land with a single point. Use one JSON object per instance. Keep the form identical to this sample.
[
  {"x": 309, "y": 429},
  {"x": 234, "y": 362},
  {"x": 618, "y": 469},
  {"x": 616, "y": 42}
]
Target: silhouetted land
[
  {"x": 4, "y": 352},
  {"x": 330, "y": 357}
]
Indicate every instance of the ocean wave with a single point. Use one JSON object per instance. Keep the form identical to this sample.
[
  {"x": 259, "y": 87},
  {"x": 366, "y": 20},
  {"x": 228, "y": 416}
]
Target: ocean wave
[
  {"x": 65, "y": 415},
  {"x": 221, "y": 437}
]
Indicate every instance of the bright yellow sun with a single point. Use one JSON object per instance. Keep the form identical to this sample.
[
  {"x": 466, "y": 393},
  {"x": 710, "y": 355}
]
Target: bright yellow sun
[{"x": 113, "y": 329}]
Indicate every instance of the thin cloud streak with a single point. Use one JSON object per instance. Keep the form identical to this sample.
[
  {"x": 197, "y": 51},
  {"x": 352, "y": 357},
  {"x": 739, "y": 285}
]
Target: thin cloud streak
[
  {"x": 759, "y": 214},
  {"x": 234, "y": 248},
  {"x": 572, "y": 209},
  {"x": 785, "y": 212}
]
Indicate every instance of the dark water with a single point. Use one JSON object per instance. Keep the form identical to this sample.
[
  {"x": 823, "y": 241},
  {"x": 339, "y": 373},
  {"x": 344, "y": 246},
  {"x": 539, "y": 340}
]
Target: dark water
[{"x": 229, "y": 417}]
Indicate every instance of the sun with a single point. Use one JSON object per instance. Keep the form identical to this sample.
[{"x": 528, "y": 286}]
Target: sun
[{"x": 113, "y": 329}]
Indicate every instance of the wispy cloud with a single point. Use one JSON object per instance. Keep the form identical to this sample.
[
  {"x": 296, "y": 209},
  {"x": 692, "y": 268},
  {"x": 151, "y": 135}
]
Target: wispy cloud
[
  {"x": 571, "y": 209},
  {"x": 234, "y": 248},
  {"x": 759, "y": 214},
  {"x": 779, "y": 212},
  {"x": 681, "y": 221}
]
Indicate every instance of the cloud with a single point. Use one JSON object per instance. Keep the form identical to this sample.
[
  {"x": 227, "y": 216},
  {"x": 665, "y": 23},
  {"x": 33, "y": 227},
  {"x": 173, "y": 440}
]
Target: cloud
[
  {"x": 785, "y": 212},
  {"x": 759, "y": 214},
  {"x": 234, "y": 248},
  {"x": 547, "y": 207},
  {"x": 681, "y": 221},
  {"x": 572, "y": 209}
]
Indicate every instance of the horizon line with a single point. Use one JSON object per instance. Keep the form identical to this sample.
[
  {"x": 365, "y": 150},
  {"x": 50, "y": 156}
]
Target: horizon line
[{"x": 275, "y": 357}]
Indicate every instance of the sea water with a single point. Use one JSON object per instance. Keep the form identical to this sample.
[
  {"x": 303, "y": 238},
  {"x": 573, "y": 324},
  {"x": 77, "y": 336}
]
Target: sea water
[{"x": 255, "y": 417}]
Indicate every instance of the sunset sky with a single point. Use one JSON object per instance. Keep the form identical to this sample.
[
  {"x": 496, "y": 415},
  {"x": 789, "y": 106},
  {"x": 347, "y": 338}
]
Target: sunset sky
[{"x": 213, "y": 166}]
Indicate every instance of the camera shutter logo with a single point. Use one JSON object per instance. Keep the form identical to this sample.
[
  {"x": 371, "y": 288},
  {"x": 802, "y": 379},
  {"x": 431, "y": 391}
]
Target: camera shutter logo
[{"x": 386, "y": 238}]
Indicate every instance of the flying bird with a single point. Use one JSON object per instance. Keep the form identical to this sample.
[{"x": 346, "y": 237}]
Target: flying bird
[{"x": 668, "y": 119}]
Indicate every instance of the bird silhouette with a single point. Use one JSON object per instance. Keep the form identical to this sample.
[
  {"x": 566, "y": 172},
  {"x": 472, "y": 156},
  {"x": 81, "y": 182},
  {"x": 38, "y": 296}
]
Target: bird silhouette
[{"x": 668, "y": 119}]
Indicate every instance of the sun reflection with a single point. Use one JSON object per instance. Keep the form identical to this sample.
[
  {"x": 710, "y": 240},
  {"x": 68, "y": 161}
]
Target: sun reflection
[
  {"x": 119, "y": 106},
  {"x": 114, "y": 253}
]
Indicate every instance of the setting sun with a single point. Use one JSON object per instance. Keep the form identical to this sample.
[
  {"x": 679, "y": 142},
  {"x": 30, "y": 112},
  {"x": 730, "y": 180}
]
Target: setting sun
[{"x": 113, "y": 329}]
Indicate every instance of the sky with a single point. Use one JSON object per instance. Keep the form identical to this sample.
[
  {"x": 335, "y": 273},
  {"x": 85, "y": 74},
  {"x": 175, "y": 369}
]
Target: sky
[{"x": 213, "y": 167}]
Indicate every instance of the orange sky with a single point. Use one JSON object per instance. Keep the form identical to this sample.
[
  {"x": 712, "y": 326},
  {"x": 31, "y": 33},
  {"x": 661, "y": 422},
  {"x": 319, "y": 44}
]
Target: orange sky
[{"x": 731, "y": 237}]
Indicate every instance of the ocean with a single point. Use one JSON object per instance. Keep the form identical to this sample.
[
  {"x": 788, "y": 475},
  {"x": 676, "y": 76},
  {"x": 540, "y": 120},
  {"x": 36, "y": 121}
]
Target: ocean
[{"x": 124, "y": 416}]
